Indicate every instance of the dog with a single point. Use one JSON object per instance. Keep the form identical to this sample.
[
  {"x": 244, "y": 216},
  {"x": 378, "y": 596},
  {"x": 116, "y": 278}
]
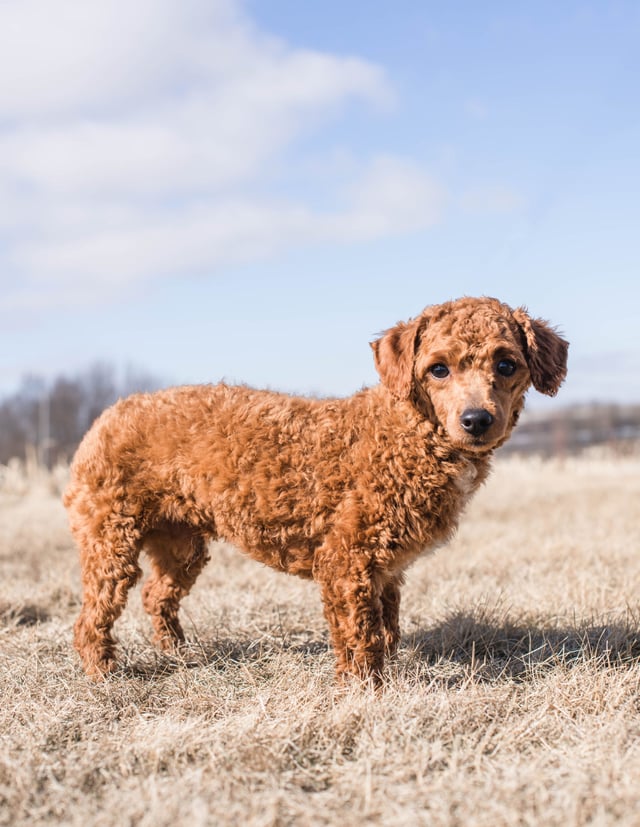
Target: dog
[{"x": 348, "y": 492}]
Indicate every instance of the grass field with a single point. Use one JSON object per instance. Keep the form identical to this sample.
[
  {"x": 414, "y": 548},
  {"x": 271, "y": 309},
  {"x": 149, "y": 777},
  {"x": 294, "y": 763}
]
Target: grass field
[{"x": 514, "y": 699}]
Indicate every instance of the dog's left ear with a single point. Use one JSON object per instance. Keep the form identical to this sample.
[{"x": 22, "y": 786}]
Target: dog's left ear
[
  {"x": 393, "y": 355},
  {"x": 545, "y": 350}
]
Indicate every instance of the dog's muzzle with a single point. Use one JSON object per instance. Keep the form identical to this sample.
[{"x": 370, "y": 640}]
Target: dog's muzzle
[{"x": 476, "y": 421}]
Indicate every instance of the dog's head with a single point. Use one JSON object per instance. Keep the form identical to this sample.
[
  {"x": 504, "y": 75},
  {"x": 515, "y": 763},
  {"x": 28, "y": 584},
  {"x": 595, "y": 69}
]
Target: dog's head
[{"x": 468, "y": 363}]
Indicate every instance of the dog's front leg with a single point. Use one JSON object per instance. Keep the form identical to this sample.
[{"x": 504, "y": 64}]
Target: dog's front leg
[{"x": 351, "y": 594}]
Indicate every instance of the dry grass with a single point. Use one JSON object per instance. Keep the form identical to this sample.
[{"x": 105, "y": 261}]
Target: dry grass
[{"x": 514, "y": 700}]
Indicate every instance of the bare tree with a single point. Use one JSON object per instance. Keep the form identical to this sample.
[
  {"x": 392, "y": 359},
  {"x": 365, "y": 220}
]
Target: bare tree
[{"x": 53, "y": 417}]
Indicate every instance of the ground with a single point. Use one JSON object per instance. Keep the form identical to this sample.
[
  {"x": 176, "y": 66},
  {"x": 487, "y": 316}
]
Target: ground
[{"x": 514, "y": 699}]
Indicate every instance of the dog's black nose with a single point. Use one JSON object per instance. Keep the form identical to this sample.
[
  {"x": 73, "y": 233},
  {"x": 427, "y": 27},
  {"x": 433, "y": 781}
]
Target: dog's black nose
[{"x": 476, "y": 421}]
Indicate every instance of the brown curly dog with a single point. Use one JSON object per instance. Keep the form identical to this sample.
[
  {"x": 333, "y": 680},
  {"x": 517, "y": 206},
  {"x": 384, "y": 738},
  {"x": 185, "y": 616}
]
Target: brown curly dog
[{"x": 345, "y": 491}]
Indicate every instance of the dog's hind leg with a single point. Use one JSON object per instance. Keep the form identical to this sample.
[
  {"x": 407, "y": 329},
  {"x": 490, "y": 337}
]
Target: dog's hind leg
[
  {"x": 109, "y": 553},
  {"x": 177, "y": 557},
  {"x": 390, "y": 614}
]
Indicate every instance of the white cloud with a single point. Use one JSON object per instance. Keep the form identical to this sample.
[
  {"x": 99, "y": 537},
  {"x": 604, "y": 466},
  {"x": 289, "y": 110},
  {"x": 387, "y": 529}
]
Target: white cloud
[
  {"x": 491, "y": 199},
  {"x": 154, "y": 96},
  {"x": 393, "y": 194},
  {"x": 94, "y": 56},
  {"x": 139, "y": 139},
  {"x": 390, "y": 196}
]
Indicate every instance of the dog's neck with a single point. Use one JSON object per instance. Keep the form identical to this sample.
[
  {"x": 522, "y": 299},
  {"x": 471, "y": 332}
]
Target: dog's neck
[{"x": 420, "y": 418}]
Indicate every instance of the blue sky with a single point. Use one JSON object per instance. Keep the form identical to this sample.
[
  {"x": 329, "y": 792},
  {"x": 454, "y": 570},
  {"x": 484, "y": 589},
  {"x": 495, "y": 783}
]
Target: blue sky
[{"x": 206, "y": 188}]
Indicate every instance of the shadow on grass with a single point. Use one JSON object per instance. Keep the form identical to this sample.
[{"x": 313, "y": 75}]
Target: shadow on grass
[
  {"x": 488, "y": 644},
  {"x": 24, "y": 614},
  {"x": 493, "y": 646}
]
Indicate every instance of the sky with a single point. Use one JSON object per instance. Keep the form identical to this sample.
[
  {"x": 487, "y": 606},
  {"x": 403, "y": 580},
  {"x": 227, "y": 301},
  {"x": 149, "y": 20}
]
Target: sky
[{"x": 253, "y": 191}]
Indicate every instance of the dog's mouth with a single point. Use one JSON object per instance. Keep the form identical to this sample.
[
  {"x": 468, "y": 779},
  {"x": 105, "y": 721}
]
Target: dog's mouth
[{"x": 477, "y": 444}]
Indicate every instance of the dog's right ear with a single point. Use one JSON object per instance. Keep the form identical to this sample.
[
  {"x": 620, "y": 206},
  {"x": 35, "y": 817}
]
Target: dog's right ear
[
  {"x": 393, "y": 355},
  {"x": 545, "y": 350}
]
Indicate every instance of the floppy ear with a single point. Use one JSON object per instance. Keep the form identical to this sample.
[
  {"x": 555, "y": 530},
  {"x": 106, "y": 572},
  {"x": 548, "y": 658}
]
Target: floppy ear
[
  {"x": 545, "y": 350},
  {"x": 393, "y": 355}
]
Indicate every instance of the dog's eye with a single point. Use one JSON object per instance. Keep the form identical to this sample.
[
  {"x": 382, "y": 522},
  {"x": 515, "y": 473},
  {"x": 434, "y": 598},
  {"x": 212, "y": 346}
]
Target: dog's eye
[
  {"x": 506, "y": 367},
  {"x": 439, "y": 371}
]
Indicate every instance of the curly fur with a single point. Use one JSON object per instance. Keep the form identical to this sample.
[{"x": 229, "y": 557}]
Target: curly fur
[{"x": 345, "y": 491}]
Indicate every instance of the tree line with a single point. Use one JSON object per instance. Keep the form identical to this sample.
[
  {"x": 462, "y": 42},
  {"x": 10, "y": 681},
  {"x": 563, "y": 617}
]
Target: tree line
[
  {"x": 575, "y": 428},
  {"x": 53, "y": 416}
]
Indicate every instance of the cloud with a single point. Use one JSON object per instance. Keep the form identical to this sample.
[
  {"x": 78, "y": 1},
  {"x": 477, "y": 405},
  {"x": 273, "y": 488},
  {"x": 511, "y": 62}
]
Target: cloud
[
  {"x": 97, "y": 259},
  {"x": 395, "y": 194},
  {"x": 147, "y": 139},
  {"x": 95, "y": 57},
  {"x": 155, "y": 96},
  {"x": 491, "y": 199}
]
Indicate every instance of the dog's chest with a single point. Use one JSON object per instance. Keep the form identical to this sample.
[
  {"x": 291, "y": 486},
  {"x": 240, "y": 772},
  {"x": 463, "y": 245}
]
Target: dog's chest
[
  {"x": 467, "y": 480},
  {"x": 429, "y": 518}
]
